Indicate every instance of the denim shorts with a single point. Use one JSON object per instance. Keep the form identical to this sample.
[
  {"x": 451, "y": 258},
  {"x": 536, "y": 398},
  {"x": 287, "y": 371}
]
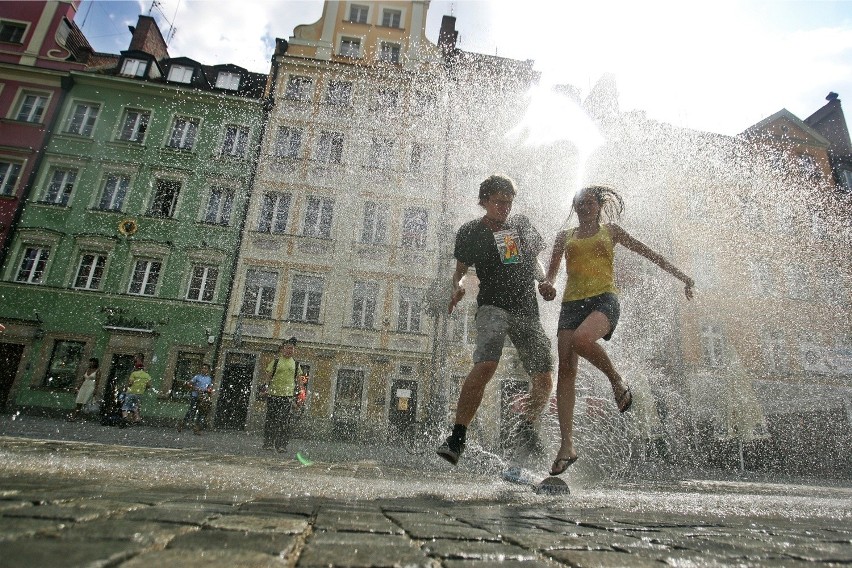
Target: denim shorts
[
  {"x": 493, "y": 324},
  {"x": 131, "y": 403},
  {"x": 575, "y": 312}
]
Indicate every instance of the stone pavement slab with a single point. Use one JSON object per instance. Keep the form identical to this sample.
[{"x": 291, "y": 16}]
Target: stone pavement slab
[{"x": 96, "y": 504}]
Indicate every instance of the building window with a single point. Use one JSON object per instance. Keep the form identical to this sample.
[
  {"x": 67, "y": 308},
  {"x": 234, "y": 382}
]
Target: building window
[
  {"x": 64, "y": 361},
  {"x": 90, "y": 271},
  {"x": 186, "y": 367},
  {"x": 381, "y": 153},
  {"x": 12, "y": 32},
  {"x": 134, "y": 67},
  {"x": 306, "y": 298},
  {"x": 774, "y": 352},
  {"x": 712, "y": 345},
  {"x": 273, "y": 213},
  {"x": 359, "y": 13},
  {"x": 184, "y": 131},
  {"x": 60, "y": 186},
  {"x": 350, "y": 47},
  {"x": 146, "y": 274},
  {"x": 299, "y": 88},
  {"x": 181, "y": 74},
  {"x": 762, "y": 278},
  {"x": 259, "y": 293},
  {"x": 386, "y": 100},
  {"x": 410, "y": 306},
  {"x": 391, "y": 18},
  {"x": 9, "y": 174},
  {"x": 797, "y": 282},
  {"x": 389, "y": 52},
  {"x": 338, "y": 93},
  {"x": 235, "y": 140},
  {"x": 424, "y": 103},
  {"x": 318, "y": 217},
  {"x": 31, "y": 108},
  {"x": 364, "y": 296},
  {"x": 375, "y": 223},
  {"x": 134, "y": 123},
  {"x": 82, "y": 120},
  {"x": 228, "y": 80},
  {"x": 330, "y": 147},
  {"x": 418, "y": 157},
  {"x": 288, "y": 142},
  {"x": 846, "y": 180},
  {"x": 33, "y": 264},
  {"x": 219, "y": 206},
  {"x": 115, "y": 190},
  {"x": 415, "y": 224},
  {"x": 165, "y": 199},
  {"x": 202, "y": 283}
]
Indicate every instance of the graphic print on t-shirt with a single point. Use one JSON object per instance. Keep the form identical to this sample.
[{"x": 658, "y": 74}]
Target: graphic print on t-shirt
[{"x": 508, "y": 245}]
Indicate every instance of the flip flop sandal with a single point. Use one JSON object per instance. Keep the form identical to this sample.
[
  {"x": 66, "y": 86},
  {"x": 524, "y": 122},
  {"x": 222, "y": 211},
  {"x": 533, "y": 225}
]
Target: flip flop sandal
[
  {"x": 625, "y": 406},
  {"x": 561, "y": 464}
]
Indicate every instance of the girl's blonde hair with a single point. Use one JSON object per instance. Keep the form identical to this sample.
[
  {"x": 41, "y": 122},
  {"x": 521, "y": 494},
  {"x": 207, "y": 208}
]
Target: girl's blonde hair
[{"x": 612, "y": 205}]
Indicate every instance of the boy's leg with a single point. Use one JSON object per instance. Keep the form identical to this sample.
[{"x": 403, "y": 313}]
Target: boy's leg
[{"x": 472, "y": 391}]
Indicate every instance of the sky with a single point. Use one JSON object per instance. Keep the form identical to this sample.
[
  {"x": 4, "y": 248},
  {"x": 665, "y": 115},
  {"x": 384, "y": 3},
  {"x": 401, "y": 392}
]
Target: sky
[{"x": 713, "y": 65}]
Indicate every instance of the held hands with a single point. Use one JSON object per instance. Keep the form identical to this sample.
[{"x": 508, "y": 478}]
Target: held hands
[
  {"x": 547, "y": 290},
  {"x": 688, "y": 289},
  {"x": 458, "y": 294}
]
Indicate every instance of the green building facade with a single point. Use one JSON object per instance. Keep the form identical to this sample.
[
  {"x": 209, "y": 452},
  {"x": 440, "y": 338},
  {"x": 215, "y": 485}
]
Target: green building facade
[{"x": 127, "y": 242}]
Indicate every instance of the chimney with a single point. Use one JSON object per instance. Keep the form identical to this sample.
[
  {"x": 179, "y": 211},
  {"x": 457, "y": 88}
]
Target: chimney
[
  {"x": 148, "y": 38},
  {"x": 448, "y": 36}
]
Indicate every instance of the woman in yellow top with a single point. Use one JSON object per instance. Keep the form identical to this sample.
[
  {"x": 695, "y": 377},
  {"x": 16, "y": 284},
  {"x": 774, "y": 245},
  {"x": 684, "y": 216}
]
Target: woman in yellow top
[{"x": 590, "y": 308}]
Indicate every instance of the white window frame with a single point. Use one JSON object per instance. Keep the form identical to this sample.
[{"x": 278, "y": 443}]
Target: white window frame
[
  {"x": 181, "y": 74},
  {"x": 235, "y": 139},
  {"x": 319, "y": 217},
  {"x": 381, "y": 152},
  {"x": 263, "y": 284},
  {"x": 171, "y": 203},
  {"x": 775, "y": 352},
  {"x": 132, "y": 67},
  {"x": 22, "y": 26},
  {"x": 92, "y": 280},
  {"x": 330, "y": 147},
  {"x": 410, "y": 308},
  {"x": 364, "y": 295},
  {"x": 10, "y": 175},
  {"x": 82, "y": 119},
  {"x": 60, "y": 185},
  {"x": 152, "y": 268},
  {"x": 420, "y": 232},
  {"x": 37, "y": 102},
  {"x": 184, "y": 133},
  {"x": 274, "y": 213},
  {"x": 32, "y": 268},
  {"x": 306, "y": 298},
  {"x": 388, "y": 17},
  {"x": 228, "y": 80},
  {"x": 374, "y": 229},
  {"x": 390, "y": 52},
  {"x": 350, "y": 46},
  {"x": 299, "y": 88},
  {"x": 333, "y": 90},
  {"x": 713, "y": 345},
  {"x": 288, "y": 142},
  {"x": 206, "y": 276},
  {"x": 116, "y": 198},
  {"x": 133, "y": 128},
  {"x": 220, "y": 206},
  {"x": 359, "y": 10}
]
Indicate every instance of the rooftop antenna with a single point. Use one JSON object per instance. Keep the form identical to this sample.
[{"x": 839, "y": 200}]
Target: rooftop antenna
[{"x": 172, "y": 29}]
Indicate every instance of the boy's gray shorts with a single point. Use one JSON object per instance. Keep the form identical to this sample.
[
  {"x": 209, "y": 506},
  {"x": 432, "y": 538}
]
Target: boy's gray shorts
[{"x": 493, "y": 324}]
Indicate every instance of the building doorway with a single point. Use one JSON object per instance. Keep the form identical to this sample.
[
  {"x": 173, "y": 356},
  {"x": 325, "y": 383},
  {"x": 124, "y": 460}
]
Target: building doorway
[
  {"x": 347, "y": 404},
  {"x": 10, "y": 360},
  {"x": 233, "y": 403},
  {"x": 403, "y": 406},
  {"x": 120, "y": 367}
]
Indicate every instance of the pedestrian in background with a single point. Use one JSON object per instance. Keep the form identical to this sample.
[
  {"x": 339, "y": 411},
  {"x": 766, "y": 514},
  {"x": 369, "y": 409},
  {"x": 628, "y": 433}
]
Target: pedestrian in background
[
  {"x": 201, "y": 386},
  {"x": 283, "y": 372},
  {"x": 86, "y": 390},
  {"x": 138, "y": 382}
]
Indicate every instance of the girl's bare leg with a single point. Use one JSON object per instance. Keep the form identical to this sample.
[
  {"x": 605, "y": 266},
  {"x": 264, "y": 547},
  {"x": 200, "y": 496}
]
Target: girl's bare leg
[
  {"x": 566, "y": 392},
  {"x": 585, "y": 344}
]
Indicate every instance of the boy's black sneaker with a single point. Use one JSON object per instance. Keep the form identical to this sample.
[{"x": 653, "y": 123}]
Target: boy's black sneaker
[{"x": 451, "y": 449}]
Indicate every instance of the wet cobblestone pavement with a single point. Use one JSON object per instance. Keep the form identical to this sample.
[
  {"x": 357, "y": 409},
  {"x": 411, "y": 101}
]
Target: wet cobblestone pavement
[{"x": 85, "y": 503}]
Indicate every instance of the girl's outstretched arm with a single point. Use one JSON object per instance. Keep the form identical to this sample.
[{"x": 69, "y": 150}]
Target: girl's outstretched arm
[
  {"x": 546, "y": 287},
  {"x": 623, "y": 238}
]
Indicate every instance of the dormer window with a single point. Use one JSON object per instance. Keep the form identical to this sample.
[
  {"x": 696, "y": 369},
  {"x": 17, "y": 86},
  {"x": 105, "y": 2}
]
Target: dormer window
[
  {"x": 12, "y": 32},
  {"x": 358, "y": 13},
  {"x": 180, "y": 74},
  {"x": 134, "y": 67},
  {"x": 228, "y": 80}
]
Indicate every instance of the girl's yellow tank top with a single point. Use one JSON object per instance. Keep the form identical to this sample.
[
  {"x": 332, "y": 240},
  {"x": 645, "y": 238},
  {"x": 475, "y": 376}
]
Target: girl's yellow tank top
[{"x": 589, "y": 263}]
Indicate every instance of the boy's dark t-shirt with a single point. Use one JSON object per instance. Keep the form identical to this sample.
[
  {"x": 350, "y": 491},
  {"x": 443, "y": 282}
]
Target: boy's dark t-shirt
[{"x": 505, "y": 262}]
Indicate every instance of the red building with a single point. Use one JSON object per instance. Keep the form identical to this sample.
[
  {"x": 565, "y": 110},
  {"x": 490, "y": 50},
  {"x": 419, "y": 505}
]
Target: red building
[{"x": 39, "y": 45}]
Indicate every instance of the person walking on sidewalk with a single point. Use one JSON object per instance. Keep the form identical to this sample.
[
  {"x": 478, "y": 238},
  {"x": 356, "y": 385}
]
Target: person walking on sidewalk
[
  {"x": 590, "y": 308},
  {"x": 201, "y": 385},
  {"x": 504, "y": 250},
  {"x": 138, "y": 382},
  {"x": 283, "y": 373}
]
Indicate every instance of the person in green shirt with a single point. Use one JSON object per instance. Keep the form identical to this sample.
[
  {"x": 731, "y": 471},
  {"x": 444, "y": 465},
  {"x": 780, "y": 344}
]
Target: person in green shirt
[
  {"x": 283, "y": 371},
  {"x": 138, "y": 382}
]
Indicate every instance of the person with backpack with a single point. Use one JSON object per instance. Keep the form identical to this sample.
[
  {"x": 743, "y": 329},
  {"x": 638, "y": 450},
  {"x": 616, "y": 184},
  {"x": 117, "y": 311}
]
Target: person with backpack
[{"x": 280, "y": 391}]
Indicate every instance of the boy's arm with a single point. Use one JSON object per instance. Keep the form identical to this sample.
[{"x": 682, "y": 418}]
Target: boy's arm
[
  {"x": 458, "y": 290},
  {"x": 623, "y": 238},
  {"x": 546, "y": 287}
]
